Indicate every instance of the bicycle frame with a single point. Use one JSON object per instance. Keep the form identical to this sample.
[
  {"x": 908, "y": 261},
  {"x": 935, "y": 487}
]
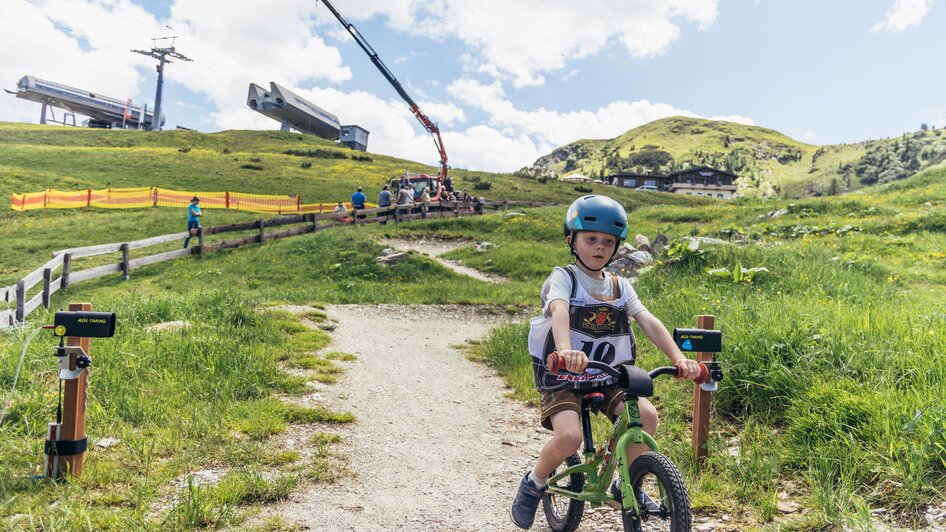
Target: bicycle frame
[{"x": 598, "y": 466}]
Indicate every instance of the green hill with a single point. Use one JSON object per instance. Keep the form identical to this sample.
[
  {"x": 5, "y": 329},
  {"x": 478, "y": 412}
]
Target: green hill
[
  {"x": 34, "y": 157},
  {"x": 768, "y": 162}
]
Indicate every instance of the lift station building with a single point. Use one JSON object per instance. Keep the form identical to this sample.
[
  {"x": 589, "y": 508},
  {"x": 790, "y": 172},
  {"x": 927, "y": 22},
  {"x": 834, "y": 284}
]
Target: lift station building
[{"x": 295, "y": 112}]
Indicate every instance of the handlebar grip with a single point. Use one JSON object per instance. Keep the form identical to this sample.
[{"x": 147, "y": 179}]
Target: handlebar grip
[
  {"x": 555, "y": 362},
  {"x": 704, "y": 374}
]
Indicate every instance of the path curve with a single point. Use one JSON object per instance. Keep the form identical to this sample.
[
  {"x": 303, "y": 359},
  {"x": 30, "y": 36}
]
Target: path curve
[{"x": 434, "y": 248}]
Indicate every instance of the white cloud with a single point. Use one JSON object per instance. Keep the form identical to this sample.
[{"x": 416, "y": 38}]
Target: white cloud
[
  {"x": 809, "y": 136},
  {"x": 739, "y": 119},
  {"x": 903, "y": 14},
  {"x": 570, "y": 74},
  {"x": 519, "y": 41},
  {"x": 541, "y": 130}
]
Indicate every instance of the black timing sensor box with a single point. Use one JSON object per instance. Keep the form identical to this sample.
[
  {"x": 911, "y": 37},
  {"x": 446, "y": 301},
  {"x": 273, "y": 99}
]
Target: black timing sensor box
[
  {"x": 698, "y": 340},
  {"x": 87, "y": 324}
]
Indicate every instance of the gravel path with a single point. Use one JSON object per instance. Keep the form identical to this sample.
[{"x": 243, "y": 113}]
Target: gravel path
[{"x": 436, "y": 446}]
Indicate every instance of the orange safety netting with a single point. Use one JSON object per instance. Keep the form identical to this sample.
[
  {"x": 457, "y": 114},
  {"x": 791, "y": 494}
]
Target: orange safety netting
[{"x": 130, "y": 198}]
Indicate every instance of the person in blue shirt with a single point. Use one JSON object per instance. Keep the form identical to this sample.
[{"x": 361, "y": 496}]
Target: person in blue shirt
[
  {"x": 358, "y": 202},
  {"x": 193, "y": 219},
  {"x": 384, "y": 200}
]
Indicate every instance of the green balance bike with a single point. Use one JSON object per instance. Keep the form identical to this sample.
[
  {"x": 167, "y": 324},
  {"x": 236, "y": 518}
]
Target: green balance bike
[{"x": 652, "y": 477}]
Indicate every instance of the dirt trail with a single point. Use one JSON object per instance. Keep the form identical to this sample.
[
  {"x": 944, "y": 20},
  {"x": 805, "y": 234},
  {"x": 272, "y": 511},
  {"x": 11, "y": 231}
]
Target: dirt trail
[
  {"x": 434, "y": 248},
  {"x": 436, "y": 445}
]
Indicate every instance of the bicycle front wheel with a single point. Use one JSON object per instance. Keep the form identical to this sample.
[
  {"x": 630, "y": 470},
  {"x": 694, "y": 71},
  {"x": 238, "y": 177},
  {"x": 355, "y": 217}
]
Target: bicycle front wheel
[
  {"x": 651, "y": 474},
  {"x": 562, "y": 513}
]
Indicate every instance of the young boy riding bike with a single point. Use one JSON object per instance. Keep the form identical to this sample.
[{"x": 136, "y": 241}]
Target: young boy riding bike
[{"x": 586, "y": 313}]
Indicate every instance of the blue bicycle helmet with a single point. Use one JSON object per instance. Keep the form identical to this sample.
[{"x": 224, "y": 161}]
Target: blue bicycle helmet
[{"x": 596, "y": 213}]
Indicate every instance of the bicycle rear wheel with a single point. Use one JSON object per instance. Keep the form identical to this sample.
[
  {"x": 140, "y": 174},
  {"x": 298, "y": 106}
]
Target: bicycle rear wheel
[
  {"x": 562, "y": 513},
  {"x": 647, "y": 475}
]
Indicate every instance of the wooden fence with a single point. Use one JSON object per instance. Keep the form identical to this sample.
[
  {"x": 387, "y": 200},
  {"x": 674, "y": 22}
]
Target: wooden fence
[{"x": 59, "y": 272}]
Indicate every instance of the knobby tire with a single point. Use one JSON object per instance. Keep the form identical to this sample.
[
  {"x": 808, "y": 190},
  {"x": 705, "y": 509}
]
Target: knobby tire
[{"x": 677, "y": 517}]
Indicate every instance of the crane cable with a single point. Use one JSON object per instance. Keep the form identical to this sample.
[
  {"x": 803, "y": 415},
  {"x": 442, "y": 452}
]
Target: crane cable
[{"x": 16, "y": 375}]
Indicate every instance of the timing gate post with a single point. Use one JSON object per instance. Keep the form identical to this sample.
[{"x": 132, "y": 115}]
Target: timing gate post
[
  {"x": 701, "y": 399},
  {"x": 75, "y": 392}
]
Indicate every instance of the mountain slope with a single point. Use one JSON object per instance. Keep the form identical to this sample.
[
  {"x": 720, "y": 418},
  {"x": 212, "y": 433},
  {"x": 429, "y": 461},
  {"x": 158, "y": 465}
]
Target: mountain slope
[
  {"x": 34, "y": 157},
  {"x": 768, "y": 162}
]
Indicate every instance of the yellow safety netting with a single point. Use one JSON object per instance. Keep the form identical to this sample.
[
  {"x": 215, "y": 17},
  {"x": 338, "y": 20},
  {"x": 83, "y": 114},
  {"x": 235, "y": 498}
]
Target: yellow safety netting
[{"x": 134, "y": 198}]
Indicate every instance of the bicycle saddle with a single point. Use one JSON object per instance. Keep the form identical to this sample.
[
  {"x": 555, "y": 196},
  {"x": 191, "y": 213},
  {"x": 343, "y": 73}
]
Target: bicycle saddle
[
  {"x": 593, "y": 401},
  {"x": 635, "y": 382}
]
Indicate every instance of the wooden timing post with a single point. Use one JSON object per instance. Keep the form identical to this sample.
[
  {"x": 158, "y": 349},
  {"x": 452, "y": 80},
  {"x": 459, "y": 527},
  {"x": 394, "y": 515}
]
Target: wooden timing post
[
  {"x": 701, "y": 400},
  {"x": 262, "y": 234},
  {"x": 75, "y": 393}
]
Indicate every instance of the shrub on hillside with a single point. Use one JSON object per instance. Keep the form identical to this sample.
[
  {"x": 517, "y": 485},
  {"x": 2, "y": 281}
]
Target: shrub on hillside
[
  {"x": 317, "y": 154},
  {"x": 306, "y": 164},
  {"x": 252, "y": 167},
  {"x": 584, "y": 190},
  {"x": 483, "y": 185}
]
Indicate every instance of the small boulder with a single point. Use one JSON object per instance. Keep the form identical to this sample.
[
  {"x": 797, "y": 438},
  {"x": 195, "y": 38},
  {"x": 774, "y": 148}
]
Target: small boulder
[
  {"x": 641, "y": 257},
  {"x": 391, "y": 259},
  {"x": 484, "y": 246}
]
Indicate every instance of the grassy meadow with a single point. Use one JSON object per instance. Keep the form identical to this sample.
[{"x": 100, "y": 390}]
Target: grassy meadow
[{"x": 833, "y": 358}]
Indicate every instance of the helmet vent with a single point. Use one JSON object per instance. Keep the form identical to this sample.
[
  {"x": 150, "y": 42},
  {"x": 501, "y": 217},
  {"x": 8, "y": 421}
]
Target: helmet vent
[{"x": 590, "y": 219}]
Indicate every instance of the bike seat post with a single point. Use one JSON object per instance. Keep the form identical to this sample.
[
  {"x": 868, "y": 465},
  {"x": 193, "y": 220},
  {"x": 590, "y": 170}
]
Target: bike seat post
[{"x": 591, "y": 402}]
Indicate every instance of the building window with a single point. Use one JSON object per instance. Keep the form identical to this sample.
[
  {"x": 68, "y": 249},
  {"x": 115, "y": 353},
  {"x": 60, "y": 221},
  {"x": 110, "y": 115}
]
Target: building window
[
  {"x": 719, "y": 195},
  {"x": 650, "y": 182}
]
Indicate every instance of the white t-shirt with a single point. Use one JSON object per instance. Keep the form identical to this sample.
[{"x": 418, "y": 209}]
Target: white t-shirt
[{"x": 558, "y": 286}]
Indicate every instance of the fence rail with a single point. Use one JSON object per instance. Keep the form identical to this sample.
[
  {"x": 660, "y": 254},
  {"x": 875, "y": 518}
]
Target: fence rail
[{"x": 62, "y": 260}]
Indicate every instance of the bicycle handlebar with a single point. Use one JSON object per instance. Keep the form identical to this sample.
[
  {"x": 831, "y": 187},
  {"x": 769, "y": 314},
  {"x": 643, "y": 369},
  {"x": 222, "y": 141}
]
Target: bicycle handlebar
[{"x": 556, "y": 364}]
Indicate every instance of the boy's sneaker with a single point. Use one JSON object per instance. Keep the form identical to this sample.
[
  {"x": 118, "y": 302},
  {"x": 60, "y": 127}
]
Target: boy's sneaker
[{"x": 526, "y": 503}]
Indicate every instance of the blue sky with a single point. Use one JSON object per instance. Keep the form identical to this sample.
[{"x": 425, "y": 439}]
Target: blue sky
[{"x": 506, "y": 81}]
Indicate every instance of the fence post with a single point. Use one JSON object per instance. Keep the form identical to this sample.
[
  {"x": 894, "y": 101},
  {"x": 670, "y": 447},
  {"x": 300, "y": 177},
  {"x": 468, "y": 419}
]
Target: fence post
[
  {"x": 262, "y": 236},
  {"x": 47, "y": 278},
  {"x": 701, "y": 400},
  {"x": 20, "y": 300},
  {"x": 66, "y": 265},
  {"x": 456, "y": 207},
  {"x": 505, "y": 205},
  {"x": 125, "y": 271},
  {"x": 314, "y": 223},
  {"x": 200, "y": 241}
]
